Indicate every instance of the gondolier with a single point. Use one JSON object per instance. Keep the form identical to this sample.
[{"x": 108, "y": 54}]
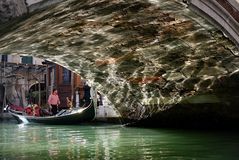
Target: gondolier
[
  {"x": 54, "y": 101},
  {"x": 75, "y": 115}
]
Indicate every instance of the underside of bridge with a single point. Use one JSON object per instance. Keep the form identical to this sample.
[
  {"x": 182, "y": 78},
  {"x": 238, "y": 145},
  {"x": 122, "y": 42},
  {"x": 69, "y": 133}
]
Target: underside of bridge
[
  {"x": 151, "y": 58},
  {"x": 224, "y": 14}
]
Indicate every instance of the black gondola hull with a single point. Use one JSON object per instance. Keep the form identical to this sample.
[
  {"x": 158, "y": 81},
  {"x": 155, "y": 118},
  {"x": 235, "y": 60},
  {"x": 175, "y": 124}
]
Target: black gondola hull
[{"x": 74, "y": 116}]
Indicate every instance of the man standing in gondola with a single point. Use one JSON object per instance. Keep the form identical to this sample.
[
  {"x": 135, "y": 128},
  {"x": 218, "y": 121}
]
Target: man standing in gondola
[{"x": 54, "y": 101}]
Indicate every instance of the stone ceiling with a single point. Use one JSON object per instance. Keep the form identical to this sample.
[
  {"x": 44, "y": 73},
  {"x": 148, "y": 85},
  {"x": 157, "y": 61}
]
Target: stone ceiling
[{"x": 144, "y": 55}]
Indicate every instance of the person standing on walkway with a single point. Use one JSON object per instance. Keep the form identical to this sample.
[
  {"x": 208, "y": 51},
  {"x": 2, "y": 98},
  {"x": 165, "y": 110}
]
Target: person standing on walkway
[{"x": 54, "y": 101}]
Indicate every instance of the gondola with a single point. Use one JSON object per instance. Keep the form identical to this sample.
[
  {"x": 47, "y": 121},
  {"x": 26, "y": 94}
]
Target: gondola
[{"x": 67, "y": 116}]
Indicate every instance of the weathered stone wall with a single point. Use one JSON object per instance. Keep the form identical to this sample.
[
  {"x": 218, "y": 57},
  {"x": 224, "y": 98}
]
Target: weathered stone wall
[
  {"x": 146, "y": 57},
  {"x": 223, "y": 14},
  {"x": 11, "y": 8},
  {"x": 42, "y": 4}
]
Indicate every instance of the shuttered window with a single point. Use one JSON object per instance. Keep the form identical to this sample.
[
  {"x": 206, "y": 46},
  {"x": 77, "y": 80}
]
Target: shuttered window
[
  {"x": 66, "y": 76},
  {"x": 4, "y": 58},
  {"x": 27, "y": 59}
]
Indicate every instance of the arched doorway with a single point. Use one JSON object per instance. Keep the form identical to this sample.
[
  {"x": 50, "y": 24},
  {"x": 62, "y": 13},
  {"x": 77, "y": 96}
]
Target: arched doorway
[{"x": 37, "y": 94}]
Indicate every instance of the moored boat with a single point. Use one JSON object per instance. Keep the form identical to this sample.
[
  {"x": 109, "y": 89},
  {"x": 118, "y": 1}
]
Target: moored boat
[{"x": 67, "y": 116}]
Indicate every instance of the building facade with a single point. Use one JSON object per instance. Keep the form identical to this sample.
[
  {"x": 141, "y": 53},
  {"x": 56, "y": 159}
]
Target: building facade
[
  {"x": 18, "y": 75},
  {"x": 65, "y": 81},
  {"x": 28, "y": 80}
]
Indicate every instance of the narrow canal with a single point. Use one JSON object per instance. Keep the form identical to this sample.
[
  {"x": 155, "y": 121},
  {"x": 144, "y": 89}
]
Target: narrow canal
[{"x": 33, "y": 142}]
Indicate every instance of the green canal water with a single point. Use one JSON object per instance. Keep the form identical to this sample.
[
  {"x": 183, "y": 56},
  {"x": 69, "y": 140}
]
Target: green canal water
[{"x": 107, "y": 142}]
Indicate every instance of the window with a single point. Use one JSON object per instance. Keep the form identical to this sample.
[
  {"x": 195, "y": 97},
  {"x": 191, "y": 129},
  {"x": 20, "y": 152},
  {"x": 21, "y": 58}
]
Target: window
[
  {"x": 27, "y": 59},
  {"x": 66, "y": 76},
  {"x": 4, "y": 58}
]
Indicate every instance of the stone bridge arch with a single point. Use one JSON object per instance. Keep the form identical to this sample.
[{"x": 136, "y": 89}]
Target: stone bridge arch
[
  {"x": 146, "y": 56},
  {"x": 222, "y": 13}
]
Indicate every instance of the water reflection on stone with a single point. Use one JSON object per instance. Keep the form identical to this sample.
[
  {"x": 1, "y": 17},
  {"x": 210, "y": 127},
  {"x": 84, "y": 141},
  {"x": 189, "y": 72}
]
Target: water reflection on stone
[{"x": 125, "y": 47}]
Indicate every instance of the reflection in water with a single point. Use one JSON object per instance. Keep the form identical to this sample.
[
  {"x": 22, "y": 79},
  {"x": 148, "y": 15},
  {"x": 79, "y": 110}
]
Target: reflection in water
[
  {"x": 58, "y": 142},
  {"x": 112, "y": 142}
]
